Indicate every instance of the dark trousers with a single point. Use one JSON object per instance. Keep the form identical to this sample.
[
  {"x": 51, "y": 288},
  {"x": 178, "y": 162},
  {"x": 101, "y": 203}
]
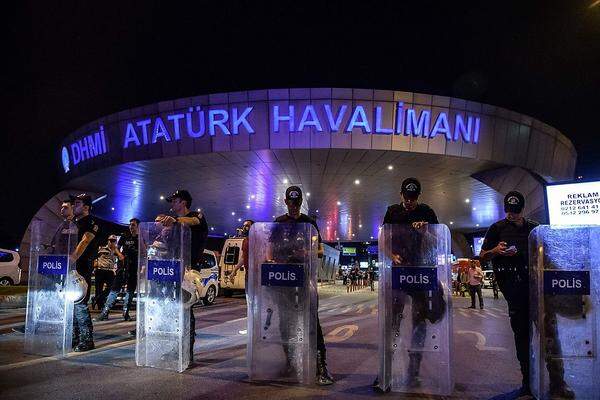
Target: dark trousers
[
  {"x": 104, "y": 281},
  {"x": 475, "y": 289},
  {"x": 515, "y": 289},
  {"x": 192, "y": 333},
  {"x": 83, "y": 329},
  {"x": 122, "y": 277}
]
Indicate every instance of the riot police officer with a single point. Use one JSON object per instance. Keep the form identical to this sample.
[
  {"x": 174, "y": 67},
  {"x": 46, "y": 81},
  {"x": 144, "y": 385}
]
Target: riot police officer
[
  {"x": 89, "y": 236},
  {"x": 506, "y": 244},
  {"x": 293, "y": 201},
  {"x": 409, "y": 219},
  {"x": 181, "y": 201}
]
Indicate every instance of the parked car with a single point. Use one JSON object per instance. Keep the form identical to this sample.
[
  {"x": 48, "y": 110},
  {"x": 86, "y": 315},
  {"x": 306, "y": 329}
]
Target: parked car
[{"x": 10, "y": 271}]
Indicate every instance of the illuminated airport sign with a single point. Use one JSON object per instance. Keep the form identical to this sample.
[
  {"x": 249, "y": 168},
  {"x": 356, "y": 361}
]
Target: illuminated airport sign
[
  {"x": 574, "y": 203},
  {"x": 279, "y": 118}
]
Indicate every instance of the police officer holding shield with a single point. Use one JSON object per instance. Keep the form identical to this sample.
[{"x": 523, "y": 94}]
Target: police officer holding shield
[
  {"x": 181, "y": 201},
  {"x": 506, "y": 244},
  {"x": 293, "y": 201},
  {"x": 412, "y": 215},
  {"x": 89, "y": 236}
]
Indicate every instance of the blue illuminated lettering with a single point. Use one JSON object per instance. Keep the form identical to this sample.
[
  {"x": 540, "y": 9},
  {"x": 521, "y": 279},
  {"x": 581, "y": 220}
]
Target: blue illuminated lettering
[
  {"x": 378, "y": 128},
  {"x": 175, "y": 119},
  {"x": 441, "y": 126},
  {"x": 131, "y": 136},
  {"x": 214, "y": 122},
  {"x": 241, "y": 120},
  {"x": 334, "y": 126},
  {"x": 399, "y": 117},
  {"x": 190, "y": 123},
  {"x": 359, "y": 112},
  {"x": 309, "y": 111},
  {"x": 144, "y": 125},
  {"x": 278, "y": 118},
  {"x": 160, "y": 130},
  {"x": 89, "y": 146},
  {"x": 460, "y": 129},
  {"x": 420, "y": 128}
]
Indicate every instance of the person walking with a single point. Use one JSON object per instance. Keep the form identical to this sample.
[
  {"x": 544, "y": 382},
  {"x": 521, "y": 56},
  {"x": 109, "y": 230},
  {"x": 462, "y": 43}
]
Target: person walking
[{"x": 475, "y": 275}]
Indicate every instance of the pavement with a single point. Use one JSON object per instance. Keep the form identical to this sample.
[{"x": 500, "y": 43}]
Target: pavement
[{"x": 484, "y": 359}]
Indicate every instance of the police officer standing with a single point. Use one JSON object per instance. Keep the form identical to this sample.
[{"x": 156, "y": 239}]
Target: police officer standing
[
  {"x": 181, "y": 201},
  {"x": 293, "y": 201},
  {"x": 506, "y": 244},
  {"x": 415, "y": 216},
  {"x": 127, "y": 272},
  {"x": 89, "y": 236}
]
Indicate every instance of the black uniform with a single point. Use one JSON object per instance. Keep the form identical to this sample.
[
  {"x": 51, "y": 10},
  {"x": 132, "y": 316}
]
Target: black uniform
[
  {"x": 512, "y": 276},
  {"x": 199, "y": 237},
  {"x": 82, "y": 321},
  {"x": 407, "y": 243},
  {"x": 285, "y": 253},
  {"x": 126, "y": 274}
]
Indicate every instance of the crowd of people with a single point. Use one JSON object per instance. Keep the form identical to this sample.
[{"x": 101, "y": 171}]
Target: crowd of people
[{"x": 355, "y": 279}]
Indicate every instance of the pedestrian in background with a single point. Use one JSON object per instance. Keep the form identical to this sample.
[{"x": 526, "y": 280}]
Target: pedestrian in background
[{"x": 475, "y": 278}]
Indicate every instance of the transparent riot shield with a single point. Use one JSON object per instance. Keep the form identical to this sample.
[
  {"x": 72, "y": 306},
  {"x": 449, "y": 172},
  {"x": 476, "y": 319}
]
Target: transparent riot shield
[
  {"x": 415, "y": 310},
  {"x": 52, "y": 290},
  {"x": 564, "y": 303},
  {"x": 163, "y": 313},
  {"x": 282, "y": 310}
]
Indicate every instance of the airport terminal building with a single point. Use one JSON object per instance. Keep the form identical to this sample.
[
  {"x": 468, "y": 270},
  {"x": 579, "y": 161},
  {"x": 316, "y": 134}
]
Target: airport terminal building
[{"x": 349, "y": 149}]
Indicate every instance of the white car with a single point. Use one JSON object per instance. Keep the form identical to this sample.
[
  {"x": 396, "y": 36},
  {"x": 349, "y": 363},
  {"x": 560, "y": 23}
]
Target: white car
[
  {"x": 10, "y": 272},
  {"x": 207, "y": 283}
]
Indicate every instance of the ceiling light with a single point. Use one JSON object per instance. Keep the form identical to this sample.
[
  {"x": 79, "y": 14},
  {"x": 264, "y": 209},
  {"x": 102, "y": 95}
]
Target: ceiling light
[
  {"x": 307, "y": 194},
  {"x": 317, "y": 211},
  {"x": 162, "y": 197},
  {"x": 467, "y": 200},
  {"x": 112, "y": 208},
  {"x": 233, "y": 213},
  {"x": 476, "y": 224},
  {"x": 357, "y": 182},
  {"x": 451, "y": 222},
  {"x": 339, "y": 203},
  {"x": 252, "y": 196},
  {"x": 337, "y": 238},
  {"x": 371, "y": 237},
  {"x": 390, "y": 167},
  {"x": 239, "y": 220},
  {"x": 134, "y": 181},
  {"x": 474, "y": 208},
  {"x": 285, "y": 181},
  {"x": 248, "y": 206},
  {"x": 212, "y": 228},
  {"x": 360, "y": 225}
]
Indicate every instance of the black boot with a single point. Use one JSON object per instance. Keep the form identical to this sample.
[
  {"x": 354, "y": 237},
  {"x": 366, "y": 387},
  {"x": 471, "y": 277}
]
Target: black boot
[
  {"x": 323, "y": 377},
  {"x": 561, "y": 390},
  {"x": 126, "y": 316},
  {"x": 86, "y": 343}
]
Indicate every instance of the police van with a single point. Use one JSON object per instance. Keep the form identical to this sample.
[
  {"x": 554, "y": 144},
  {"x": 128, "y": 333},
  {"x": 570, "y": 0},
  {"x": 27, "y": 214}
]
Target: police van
[{"x": 232, "y": 251}]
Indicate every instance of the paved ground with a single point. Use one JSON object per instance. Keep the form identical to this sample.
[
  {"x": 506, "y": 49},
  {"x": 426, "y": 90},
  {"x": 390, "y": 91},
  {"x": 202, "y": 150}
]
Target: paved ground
[{"x": 484, "y": 359}]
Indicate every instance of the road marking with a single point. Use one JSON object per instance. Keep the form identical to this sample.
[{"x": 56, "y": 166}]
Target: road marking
[
  {"x": 480, "y": 345},
  {"x": 68, "y": 356},
  {"x": 341, "y": 333}
]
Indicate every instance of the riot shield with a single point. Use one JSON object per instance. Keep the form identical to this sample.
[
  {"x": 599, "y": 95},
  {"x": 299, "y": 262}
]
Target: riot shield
[
  {"x": 163, "y": 313},
  {"x": 52, "y": 290},
  {"x": 564, "y": 303},
  {"x": 282, "y": 310},
  {"x": 415, "y": 310}
]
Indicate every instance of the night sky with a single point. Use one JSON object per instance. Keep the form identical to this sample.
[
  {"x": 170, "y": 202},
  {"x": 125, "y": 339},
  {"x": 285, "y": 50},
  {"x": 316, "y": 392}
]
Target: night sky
[{"x": 70, "y": 63}]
